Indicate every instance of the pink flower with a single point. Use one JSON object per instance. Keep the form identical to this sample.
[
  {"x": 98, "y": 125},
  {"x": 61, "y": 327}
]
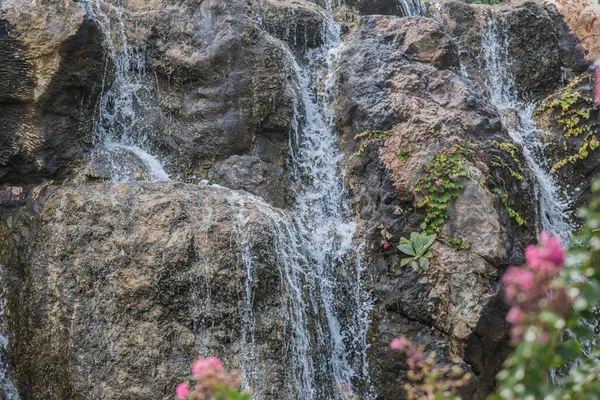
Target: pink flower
[
  {"x": 598, "y": 85},
  {"x": 215, "y": 363},
  {"x": 182, "y": 391},
  {"x": 515, "y": 316},
  {"x": 517, "y": 280},
  {"x": 548, "y": 256},
  {"x": 399, "y": 344},
  {"x": 204, "y": 367}
]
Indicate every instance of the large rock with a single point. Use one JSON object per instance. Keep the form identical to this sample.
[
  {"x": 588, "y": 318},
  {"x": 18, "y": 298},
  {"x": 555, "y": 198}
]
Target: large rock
[
  {"x": 456, "y": 307},
  {"x": 114, "y": 290},
  {"x": 216, "y": 86},
  {"x": 571, "y": 136},
  {"x": 51, "y": 70},
  {"x": 583, "y": 18},
  {"x": 537, "y": 44}
]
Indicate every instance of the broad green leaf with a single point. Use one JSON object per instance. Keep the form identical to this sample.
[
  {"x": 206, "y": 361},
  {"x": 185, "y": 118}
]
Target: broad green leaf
[
  {"x": 424, "y": 263},
  {"x": 404, "y": 240},
  {"x": 406, "y": 249},
  {"x": 429, "y": 240},
  {"x": 405, "y": 261}
]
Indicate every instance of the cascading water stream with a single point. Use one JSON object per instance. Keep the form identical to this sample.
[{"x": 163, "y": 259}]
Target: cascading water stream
[
  {"x": 120, "y": 107},
  {"x": 326, "y": 310},
  {"x": 504, "y": 94},
  {"x": 321, "y": 203},
  {"x": 328, "y": 314},
  {"x": 412, "y": 8}
]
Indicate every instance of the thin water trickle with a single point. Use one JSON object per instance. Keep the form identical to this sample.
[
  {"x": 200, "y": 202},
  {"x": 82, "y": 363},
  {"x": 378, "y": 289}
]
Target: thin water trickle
[
  {"x": 120, "y": 114},
  {"x": 326, "y": 310},
  {"x": 412, "y": 8},
  {"x": 504, "y": 94}
]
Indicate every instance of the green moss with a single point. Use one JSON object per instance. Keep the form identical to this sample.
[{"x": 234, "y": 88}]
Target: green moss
[
  {"x": 572, "y": 110},
  {"x": 441, "y": 182},
  {"x": 367, "y": 137}
]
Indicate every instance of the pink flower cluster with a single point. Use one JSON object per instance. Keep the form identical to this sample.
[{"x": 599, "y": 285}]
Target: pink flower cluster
[
  {"x": 528, "y": 286},
  {"x": 208, "y": 378},
  {"x": 413, "y": 354},
  {"x": 206, "y": 367}
]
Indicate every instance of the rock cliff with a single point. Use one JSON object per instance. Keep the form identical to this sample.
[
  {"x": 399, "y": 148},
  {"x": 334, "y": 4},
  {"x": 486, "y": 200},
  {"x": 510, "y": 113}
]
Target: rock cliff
[{"x": 112, "y": 289}]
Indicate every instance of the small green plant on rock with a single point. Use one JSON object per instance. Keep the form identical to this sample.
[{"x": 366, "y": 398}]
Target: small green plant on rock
[
  {"x": 441, "y": 183},
  {"x": 573, "y": 116},
  {"x": 417, "y": 248},
  {"x": 504, "y": 199},
  {"x": 403, "y": 155},
  {"x": 368, "y": 137}
]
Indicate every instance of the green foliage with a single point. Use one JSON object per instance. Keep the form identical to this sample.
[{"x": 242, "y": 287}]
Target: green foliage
[
  {"x": 573, "y": 109},
  {"x": 457, "y": 243},
  {"x": 504, "y": 199},
  {"x": 403, "y": 155},
  {"x": 512, "y": 151},
  {"x": 441, "y": 183},
  {"x": 563, "y": 341},
  {"x": 368, "y": 137},
  {"x": 417, "y": 248}
]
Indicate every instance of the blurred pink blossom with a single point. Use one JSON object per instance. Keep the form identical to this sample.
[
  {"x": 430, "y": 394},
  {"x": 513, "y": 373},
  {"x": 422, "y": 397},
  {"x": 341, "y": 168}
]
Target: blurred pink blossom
[
  {"x": 399, "y": 343},
  {"x": 515, "y": 316},
  {"x": 182, "y": 391},
  {"x": 517, "y": 280},
  {"x": 548, "y": 256},
  {"x": 206, "y": 366}
]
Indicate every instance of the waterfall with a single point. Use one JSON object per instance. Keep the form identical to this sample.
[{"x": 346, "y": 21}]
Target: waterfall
[
  {"x": 504, "y": 94},
  {"x": 320, "y": 266},
  {"x": 321, "y": 213},
  {"x": 120, "y": 118},
  {"x": 326, "y": 312},
  {"x": 412, "y": 7}
]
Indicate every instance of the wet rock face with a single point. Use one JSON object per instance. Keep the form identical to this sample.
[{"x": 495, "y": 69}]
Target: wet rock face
[
  {"x": 114, "y": 290},
  {"x": 538, "y": 45},
  {"x": 221, "y": 85},
  {"x": 299, "y": 23},
  {"x": 583, "y": 19},
  {"x": 51, "y": 69},
  {"x": 456, "y": 307},
  {"x": 575, "y": 171},
  {"x": 380, "y": 7}
]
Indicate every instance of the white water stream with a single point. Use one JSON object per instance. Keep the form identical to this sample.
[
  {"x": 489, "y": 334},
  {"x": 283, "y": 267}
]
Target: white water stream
[
  {"x": 326, "y": 312},
  {"x": 504, "y": 94},
  {"x": 412, "y": 8},
  {"x": 121, "y": 109}
]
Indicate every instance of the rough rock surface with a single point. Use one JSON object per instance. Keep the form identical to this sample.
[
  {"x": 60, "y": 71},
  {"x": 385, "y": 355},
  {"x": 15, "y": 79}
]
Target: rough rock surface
[
  {"x": 51, "y": 69},
  {"x": 583, "y": 18},
  {"x": 223, "y": 87},
  {"x": 538, "y": 44},
  {"x": 578, "y": 173},
  {"x": 114, "y": 290},
  {"x": 456, "y": 307}
]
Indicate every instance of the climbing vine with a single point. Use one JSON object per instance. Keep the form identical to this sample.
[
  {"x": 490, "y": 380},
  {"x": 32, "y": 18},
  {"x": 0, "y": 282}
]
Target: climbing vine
[
  {"x": 441, "y": 182},
  {"x": 367, "y": 137},
  {"x": 512, "y": 151},
  {"x": 573, "y": 117}
]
